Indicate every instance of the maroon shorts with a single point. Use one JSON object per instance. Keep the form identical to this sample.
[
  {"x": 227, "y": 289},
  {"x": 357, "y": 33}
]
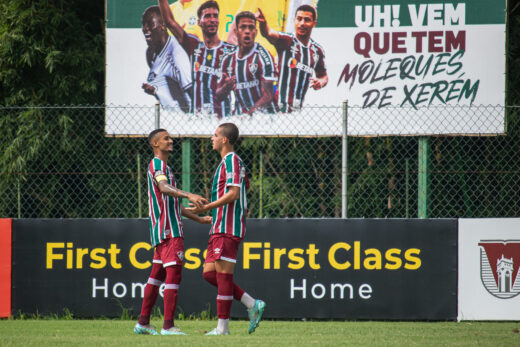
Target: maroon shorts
[
  {"x": 222, "y": 247},
  {"x": 169, "y": 252}
]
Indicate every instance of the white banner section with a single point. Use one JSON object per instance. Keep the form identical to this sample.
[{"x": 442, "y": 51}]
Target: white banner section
[{"x": 489, "y": 260}]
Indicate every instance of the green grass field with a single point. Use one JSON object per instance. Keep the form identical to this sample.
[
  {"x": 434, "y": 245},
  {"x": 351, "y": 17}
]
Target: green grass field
[{"x": 276, "y": 333}]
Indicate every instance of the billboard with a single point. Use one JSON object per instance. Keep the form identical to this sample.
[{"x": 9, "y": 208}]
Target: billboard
[
  {"x": 302, "y": 268},
  {"x": 489, "y": 262},
  {"x": 396, "y": 62}
]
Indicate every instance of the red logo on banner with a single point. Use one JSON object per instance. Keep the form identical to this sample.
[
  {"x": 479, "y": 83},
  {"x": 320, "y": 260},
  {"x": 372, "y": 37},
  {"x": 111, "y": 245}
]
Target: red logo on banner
[{"x": 499, "y": 264}]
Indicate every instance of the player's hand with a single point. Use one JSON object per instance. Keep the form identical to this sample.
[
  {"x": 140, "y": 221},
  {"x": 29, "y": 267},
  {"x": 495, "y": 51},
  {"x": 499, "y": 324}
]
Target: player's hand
[
  {"x": 149, "y": 89},
  {"x": 260, "y": 18},
  {"x": 205, "y": 220},
  {"x": 317, "y": 83},
  {"x": 197, "y": 200},
  {"x": 194, "y": 209}
]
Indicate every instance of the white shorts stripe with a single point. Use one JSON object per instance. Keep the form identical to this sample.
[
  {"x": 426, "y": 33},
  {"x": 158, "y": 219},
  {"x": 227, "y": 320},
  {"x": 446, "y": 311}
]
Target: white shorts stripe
[
  {"x": 171, "y": 286},
  {"x": 228, "y": 259},
  {"x": 157, "y": 261},
  {"x": 154, "y": 282},
  {"x": 170, "y": 263},
  {"x": 224, "y": 297}
]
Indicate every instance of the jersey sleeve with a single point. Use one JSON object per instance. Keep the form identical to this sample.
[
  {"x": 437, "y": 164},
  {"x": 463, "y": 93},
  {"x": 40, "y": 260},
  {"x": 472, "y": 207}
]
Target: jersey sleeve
[
  {"x": 233, "y": 170},
  {"x": 283, "y": 43},
  {"x": 157, "y": 170},
  {"x": 190, "y": 43},
  {"x": 267, "y": 65},
  {"x": 320, "y": 69}
]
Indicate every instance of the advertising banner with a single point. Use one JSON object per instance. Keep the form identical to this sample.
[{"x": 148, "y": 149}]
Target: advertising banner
[
  {"x": 489, "y": 259},
  {"x": 395, "y": 62},
  {"x": 302, "y": 268}
]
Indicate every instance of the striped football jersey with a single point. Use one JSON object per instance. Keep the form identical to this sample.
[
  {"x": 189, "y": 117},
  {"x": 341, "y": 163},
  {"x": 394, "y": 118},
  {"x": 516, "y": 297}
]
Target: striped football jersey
[
  {"x": 296, "y": 64},
  {"x": 165, "y": 211},
  {"x": 250, "y": 72},
  {"x": 205, "y": 70},
  {"x": 171, "y": 65},
  {"x": 230, "y": 219}
]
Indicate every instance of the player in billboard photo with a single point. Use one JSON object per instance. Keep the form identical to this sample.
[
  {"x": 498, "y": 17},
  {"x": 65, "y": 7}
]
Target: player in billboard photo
[
  {"x": 206, "y": 56},
  {"x": 301, "y": 61},
  {"x": 166, "y": 235},
  {"x": 249, "y": 72},
  {"x": 169, "y": 79},
  {"x": 229, "y": 209}
]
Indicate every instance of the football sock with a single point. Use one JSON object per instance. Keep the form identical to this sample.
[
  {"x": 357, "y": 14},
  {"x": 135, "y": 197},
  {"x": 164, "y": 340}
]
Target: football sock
[
  {"x": 247, "y": 300},
  {"x": 225, "y": 295},
  {"x": 211, "y": 278},
  {"x": 151, "y": 291},
  {"x": 173, "y": 279},
  {"x": 223, "y": 325}
]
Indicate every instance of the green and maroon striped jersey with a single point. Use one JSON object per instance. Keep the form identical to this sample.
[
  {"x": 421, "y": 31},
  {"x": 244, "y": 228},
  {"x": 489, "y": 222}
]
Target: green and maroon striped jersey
[
  {"x": 165, "y": 211},
  {"x": 231, "y": 218}
]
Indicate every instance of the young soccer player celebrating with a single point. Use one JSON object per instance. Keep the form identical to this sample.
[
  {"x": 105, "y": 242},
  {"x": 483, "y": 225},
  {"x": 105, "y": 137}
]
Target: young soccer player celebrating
[
  {"x": 299, "y": 58},
  {"x": 229, "y": 209},
  {"x": 166, "y": 235}
]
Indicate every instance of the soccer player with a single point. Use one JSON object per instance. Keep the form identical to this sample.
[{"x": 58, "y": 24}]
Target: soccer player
[
  {"x": 229, "y": 209},
  {"x": 169, "y": 79},
  {"x": 206, "y": 57},
  {"x": 299, "y": 57},
  {"x": 250, "y": 72},
  {"x": 166, "y": 235}
]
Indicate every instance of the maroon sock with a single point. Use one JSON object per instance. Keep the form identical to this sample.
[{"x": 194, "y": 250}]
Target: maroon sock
[
  {"x": 225, "y": 295},
  {"x": 173, "y": 279},
  {"x": 211, "y": 278},
  {"x": 151, "y": 291}
]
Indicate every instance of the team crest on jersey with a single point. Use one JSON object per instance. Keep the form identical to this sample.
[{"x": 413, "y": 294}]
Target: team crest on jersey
[
  {"x": 292, "y": 63},
  {"x": 499, "y": 267},
  {"x": 253, "y": 67},
  {"x": 180, "y": 254}
]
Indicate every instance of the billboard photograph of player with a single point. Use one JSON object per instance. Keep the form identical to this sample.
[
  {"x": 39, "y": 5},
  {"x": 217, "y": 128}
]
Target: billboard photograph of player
[
  {"x": 249, "y": 72},
  {"x": 169, "y": 79},
  {"x": 402, "y": 58},
  {"x": 301, "y": 61}
]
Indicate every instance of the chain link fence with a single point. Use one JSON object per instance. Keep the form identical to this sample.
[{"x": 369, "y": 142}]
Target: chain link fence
[{"x": 59, "y": 162}]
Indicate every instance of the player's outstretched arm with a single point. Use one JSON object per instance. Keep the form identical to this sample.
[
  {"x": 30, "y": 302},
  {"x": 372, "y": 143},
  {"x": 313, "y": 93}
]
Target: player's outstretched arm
[
  {"x": 271, "y": 35},
  {"x": 170, "y": 22},
  {"x": 231, "y": 195},
  {"x": 199, "y": 219},
  {"x": 168, "y": 189}
]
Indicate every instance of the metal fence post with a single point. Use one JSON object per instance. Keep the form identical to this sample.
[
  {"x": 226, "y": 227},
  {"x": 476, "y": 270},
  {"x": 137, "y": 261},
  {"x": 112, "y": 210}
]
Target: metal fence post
[
  {"x": 186, "y": 167},
  {"x": 157, "y": 115},
  {"x": 423, "y": 198},
  {"x": 139, "y": 207},
  {"x": 260, "y": 188},
  {"x": 344, "y": 158}
]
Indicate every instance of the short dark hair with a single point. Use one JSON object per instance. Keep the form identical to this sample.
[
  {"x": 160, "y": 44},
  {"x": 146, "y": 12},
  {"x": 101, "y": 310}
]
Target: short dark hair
[
  {"x": 230, "y": 131},
  {"x": 150, "y": 12},
  {"x": 308, "y": 8},
  {"x": 151, "y": 136},
  {"x": 207, "y": 4},
  {"x": 244, "y": 14}
]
